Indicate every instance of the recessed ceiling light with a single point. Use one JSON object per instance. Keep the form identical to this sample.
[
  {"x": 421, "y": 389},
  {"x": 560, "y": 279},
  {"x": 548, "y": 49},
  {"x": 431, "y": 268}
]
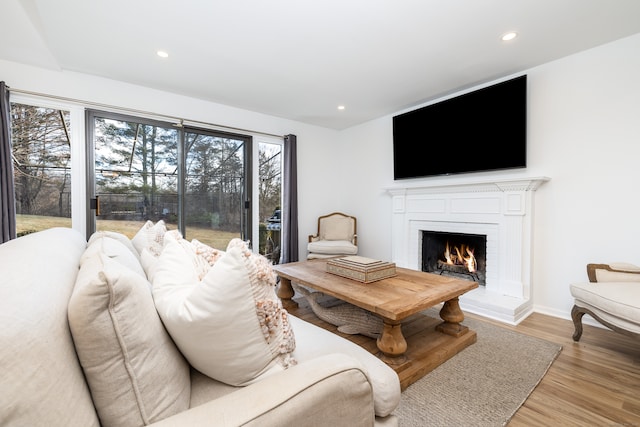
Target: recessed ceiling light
[
  {"x": 341, "y": 107},
  {"x": 162, "y": 54},
  {"x": 509, "y": 36}
]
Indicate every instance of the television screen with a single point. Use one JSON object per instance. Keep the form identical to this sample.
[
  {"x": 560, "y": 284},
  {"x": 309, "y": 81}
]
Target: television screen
[{"x": 483, "y": 130}]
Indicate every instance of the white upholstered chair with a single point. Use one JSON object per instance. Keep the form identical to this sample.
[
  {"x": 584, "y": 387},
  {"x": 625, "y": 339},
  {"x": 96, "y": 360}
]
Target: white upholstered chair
[
  {"x": 612, "y": 297},
  {"x": 337, "y": 235}
]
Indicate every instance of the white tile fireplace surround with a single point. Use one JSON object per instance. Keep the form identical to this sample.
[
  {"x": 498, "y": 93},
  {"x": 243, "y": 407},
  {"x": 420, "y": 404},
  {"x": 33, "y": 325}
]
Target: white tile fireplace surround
[{"x": 502, "y": 210}]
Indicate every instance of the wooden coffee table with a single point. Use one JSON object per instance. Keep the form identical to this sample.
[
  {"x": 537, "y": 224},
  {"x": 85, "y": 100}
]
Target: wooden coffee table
[{"x": 396, "y": 300}]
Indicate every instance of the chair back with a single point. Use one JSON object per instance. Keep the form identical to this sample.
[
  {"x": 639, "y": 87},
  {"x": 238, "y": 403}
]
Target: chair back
[{"x": 337, "y": 226}]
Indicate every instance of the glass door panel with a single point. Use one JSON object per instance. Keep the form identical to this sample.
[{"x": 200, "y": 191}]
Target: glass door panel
[
  {"x": 135, "y": 173},
  {"x": 270, "y": 195},
  {"x": 216, "y": 207}
]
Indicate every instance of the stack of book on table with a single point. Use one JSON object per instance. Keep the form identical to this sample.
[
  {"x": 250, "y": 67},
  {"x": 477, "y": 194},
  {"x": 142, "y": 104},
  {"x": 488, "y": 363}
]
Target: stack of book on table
[{"x": 361, "y": 269}]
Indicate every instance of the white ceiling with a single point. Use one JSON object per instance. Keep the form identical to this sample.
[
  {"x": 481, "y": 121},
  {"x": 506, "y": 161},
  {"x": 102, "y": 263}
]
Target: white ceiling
[{"x": 300, "y": 59}]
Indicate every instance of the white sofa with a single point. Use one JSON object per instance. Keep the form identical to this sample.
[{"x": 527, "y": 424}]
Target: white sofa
[{"x": 45, "y": 382}]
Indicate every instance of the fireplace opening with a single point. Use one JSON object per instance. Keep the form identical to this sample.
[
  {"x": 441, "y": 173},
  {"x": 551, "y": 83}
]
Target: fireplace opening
[{"x": 455, "y": 254}]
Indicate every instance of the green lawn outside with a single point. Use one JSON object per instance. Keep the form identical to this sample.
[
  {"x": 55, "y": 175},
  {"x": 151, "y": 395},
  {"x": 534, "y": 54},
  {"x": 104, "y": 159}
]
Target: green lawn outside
[{"x": 31, "y": 223}]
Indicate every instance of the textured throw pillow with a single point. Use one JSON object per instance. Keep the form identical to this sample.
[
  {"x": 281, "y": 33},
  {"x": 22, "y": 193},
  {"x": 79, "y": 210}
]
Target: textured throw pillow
[
  {"x": 148, "y": 242},
  {"x": 150, "y": 237},
  {"x": 230, "y": 326},
  {"x": 135, "y": 373},
  {"x": 207, "y": 257}
]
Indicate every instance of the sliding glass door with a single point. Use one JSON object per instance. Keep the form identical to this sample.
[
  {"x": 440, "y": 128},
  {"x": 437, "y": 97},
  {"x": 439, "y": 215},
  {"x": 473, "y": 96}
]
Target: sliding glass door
[{"x": 194, "y": 180}]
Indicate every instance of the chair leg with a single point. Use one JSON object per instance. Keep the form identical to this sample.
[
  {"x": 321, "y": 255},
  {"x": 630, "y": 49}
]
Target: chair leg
[{"x": 576, "y": 315}]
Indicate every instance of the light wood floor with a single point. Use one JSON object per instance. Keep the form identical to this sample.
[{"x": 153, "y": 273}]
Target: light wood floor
[{"x": 595, "y": 382}]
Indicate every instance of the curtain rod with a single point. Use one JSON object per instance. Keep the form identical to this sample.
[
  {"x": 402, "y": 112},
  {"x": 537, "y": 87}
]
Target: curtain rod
[{"x": 178, "y": 120}]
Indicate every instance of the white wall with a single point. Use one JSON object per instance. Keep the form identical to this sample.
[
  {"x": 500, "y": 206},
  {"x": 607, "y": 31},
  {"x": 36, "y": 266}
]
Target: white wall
[{"x": 583, "y": 133}]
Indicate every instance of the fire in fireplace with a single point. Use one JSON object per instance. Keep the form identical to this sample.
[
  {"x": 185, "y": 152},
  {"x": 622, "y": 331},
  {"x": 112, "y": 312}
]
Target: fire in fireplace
[
  {"x": 455, "y": 254},
  {"x": 459, "y": 257}
]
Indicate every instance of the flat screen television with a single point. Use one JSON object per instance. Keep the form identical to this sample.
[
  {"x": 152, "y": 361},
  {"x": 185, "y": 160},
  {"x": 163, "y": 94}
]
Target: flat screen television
[{"x": 483, "y": 130}]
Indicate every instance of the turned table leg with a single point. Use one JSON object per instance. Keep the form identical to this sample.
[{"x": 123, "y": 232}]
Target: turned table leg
[
  {"x": 452, "y": 316},
  {"x": 392, "y": 344},
  {"x": 285, "y": 292}
]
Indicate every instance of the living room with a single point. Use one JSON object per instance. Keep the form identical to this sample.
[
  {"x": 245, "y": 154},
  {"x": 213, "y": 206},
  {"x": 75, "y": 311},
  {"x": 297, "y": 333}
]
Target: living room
[{"x": 583, "y": 134}]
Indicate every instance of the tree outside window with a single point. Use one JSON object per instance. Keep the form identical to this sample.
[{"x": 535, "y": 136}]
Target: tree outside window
[{"x": 41, "y": 154}]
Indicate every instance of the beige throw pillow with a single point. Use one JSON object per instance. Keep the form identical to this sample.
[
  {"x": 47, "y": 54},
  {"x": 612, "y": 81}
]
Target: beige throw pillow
[
  {"x": 202, "y": 256},
  {"x": 117, "y": 236},
  {"x": 135, "y": 373},
  {"x": 230, "y": 326},
  {"x": 115, "y": 249}
]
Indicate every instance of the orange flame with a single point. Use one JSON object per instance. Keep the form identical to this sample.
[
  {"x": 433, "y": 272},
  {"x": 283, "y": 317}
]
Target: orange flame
[
  {"x": 447, "y": 255},
  {"x": 463, "y": 256}
]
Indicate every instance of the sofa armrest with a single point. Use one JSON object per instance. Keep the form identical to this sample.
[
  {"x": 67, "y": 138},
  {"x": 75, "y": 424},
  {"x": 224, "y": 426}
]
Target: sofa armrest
[
  {"x": 613, "y": 272},
  {"x": 332, "y": 388}
]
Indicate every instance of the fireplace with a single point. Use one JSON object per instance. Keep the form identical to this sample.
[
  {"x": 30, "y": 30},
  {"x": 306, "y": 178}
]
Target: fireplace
[
  {"x": 459, "y": 255},
  {"x": 496, "y": 219}
]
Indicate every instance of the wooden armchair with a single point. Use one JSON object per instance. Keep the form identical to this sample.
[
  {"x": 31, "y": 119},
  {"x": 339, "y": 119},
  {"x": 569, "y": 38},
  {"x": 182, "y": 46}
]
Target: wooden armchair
[
  {"x": 337, "y": 235},
  {"x": 612, "y": 297}
]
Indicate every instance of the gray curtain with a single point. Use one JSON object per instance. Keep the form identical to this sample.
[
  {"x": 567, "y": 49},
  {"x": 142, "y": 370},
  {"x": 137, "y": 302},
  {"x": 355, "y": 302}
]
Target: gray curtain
[
  {"x": 7, "y": 193},
  {"x": 290, "y": 201}
]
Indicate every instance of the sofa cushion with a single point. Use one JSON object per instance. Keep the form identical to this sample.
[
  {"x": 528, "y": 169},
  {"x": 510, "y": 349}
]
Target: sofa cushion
[
  {"x": 42, "y": 382},
  {"x": 204, "y": 388},
  {"x": 230, "y": 326},
  {"x": 313, "y": 341},
  {"x": 135, "y": 372}
]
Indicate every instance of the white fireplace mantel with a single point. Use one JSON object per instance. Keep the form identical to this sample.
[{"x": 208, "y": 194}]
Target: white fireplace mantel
[{"x": 501, "y": 209}]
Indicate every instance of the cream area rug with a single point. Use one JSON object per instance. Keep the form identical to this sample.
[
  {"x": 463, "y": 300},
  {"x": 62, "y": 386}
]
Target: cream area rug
[{"x": 484, "y": 385}]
